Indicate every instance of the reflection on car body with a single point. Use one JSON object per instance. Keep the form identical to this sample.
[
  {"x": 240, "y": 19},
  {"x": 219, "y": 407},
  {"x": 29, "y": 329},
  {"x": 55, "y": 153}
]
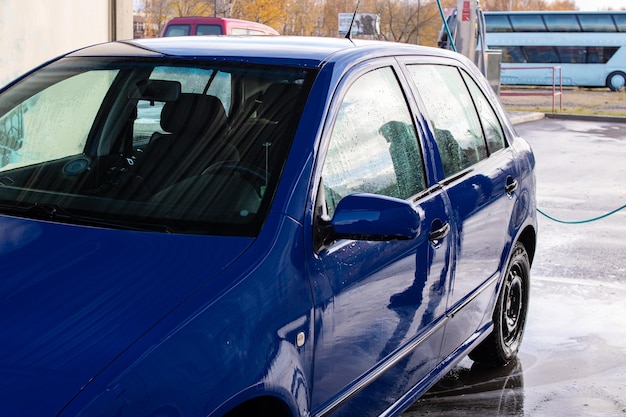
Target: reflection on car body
[
  {"x": 289, "y": 226},
  {"x": 476, "y": 390}
]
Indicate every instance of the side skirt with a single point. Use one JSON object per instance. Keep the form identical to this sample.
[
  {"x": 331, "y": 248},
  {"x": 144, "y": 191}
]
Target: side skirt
[{"x": 435, "y": 375}]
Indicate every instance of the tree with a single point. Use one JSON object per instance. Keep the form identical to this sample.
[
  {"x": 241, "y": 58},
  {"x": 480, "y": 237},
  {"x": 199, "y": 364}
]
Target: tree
[
  {"x": 303, "y": 18},
  {"x": 329, "y": 19},
  {"x": 563, "y": 5},
  {"x": 183, "y": 8},
  {"x": 268, "y": 12},
  {"x": 409, "y": 21},
  {"x": 157, "y": 14}
]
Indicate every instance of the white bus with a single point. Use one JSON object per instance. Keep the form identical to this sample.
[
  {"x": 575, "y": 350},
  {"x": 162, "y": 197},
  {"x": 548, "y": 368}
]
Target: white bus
[{"x": 590, "y": 47}]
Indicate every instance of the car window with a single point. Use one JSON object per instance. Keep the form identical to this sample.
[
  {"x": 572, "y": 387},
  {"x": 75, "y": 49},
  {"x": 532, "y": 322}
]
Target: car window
[
  {"x": 198, "y": 81},
  {"x": 153, "y": 145},
  {"x": 192, "y": 80},
  {"x": 491, "y": 125},
  {"x": 178, "y": 30},
  {"x": 208, "y": 30},
  {"x": 452, "y": 115},
  {"x": 26, "y": 135},
  {"x": 373, "y": 145}
]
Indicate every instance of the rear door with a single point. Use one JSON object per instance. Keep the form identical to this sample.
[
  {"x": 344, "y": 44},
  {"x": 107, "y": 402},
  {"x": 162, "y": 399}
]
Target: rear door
[
  {"x": 480, "y": 177},
  {"x": 379, "y": 305}
]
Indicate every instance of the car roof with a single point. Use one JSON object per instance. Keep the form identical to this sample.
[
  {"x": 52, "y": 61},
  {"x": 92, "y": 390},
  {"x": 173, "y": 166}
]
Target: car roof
[
  {"x": 226, "y": 21},
  {"x": 289, "y": 50},
  {"x": 209, "y": 19}
]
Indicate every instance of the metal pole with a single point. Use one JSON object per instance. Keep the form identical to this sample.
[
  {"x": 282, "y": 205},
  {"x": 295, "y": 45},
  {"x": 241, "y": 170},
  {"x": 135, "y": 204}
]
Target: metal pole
[{"x": 465, "y": 34}]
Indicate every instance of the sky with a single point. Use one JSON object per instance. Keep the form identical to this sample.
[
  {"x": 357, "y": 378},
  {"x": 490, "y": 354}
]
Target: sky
[{"x": 593, "y": 5}]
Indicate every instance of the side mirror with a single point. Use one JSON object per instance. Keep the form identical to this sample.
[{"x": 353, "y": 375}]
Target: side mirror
[{"x": 375, "y": 217}]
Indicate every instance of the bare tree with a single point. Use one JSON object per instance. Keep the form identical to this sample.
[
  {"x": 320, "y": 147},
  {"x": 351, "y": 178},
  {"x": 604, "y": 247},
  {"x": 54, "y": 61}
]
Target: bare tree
[
  {"x": 157, "y": 14},
  {"x": 410, "y": 21},
  {"x": 302, "y": 18}
]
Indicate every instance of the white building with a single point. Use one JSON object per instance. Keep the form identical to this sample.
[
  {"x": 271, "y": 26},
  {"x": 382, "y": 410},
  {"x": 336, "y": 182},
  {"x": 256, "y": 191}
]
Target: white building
[{"x": 34, "y": 31}]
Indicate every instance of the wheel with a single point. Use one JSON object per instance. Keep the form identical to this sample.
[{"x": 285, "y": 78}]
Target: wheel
[
  {"x": 616, "y": 80},
  {"x": 509, "y": 317}
]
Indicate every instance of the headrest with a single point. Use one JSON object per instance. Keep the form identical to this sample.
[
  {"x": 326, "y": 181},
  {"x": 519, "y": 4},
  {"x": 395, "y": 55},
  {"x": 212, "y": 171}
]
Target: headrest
[
  {"x": 192, "y": 114},
  {"x": 278, "y": 100}
]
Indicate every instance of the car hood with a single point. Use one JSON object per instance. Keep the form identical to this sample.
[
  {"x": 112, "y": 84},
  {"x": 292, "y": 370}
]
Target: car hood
[{"x": 72, "y": 299}]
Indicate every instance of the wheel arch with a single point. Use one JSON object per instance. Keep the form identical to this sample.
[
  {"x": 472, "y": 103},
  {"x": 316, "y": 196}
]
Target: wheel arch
[
  {"x": 262, "y": 405},
  {"x": 528, "y": 238},
  {"x": 509, "y": 316}
]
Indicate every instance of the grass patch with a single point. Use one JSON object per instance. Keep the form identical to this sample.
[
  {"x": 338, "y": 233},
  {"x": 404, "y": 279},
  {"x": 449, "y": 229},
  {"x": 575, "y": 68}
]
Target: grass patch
[{"x": 578, "y": 101}]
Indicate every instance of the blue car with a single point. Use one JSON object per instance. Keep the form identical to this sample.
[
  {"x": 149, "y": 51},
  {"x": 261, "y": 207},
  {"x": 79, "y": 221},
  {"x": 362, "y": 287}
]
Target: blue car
[{"x": 285, "y": 226}]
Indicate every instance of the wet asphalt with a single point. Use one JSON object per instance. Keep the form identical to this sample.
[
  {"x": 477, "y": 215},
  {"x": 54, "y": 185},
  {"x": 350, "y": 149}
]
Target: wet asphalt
[{"x": 572, "y": 361}]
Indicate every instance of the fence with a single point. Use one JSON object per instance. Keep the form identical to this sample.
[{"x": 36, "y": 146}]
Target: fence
[{"x": 555, "y": 91}]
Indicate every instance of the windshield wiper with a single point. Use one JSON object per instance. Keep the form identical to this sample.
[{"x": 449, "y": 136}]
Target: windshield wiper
[{"x": 48, "y": 211}]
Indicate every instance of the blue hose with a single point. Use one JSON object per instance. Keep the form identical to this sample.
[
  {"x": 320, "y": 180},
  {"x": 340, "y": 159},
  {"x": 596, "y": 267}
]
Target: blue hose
[
  {"x": 445, "y": 25},
  {"x": 583, "y": 221}
]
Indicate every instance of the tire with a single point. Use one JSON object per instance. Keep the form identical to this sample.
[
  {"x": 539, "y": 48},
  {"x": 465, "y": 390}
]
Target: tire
[
  {"x": 616, "y": 81},
  {"x": 509, "y": 316}
]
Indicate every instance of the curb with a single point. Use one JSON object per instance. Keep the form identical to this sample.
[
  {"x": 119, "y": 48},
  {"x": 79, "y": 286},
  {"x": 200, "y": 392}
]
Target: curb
[
  {"x": 586, "y": 117},
  {"x": 521, "y": 117}
]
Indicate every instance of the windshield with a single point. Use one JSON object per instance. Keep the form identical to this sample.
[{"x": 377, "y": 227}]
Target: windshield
[{"x": 148, "y": 145}]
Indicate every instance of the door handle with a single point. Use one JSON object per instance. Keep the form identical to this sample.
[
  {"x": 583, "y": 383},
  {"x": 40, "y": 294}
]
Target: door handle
[
  {"x": 511, "y": 185},
  {"x": 436, "y": 235}
]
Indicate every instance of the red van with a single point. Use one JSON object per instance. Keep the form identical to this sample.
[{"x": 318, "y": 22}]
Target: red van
[{"x": 187, "y": 26}]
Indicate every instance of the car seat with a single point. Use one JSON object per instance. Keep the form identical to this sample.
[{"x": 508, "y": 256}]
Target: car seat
[{"x": 196, "y": 126}]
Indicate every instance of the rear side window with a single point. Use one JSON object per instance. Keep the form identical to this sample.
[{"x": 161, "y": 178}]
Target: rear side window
[
  {"x": 373, "y": 146},
  {"x": 527, "y": 23},
  {"x": 208, "y": 30},
  {"x": 452, "y": 115},
  {"x": 596, "y": 23},
  {"x": 178, "y": 30}
]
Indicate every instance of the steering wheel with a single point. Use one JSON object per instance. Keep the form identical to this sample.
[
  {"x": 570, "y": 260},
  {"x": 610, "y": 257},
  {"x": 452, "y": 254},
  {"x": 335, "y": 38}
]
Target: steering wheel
[{"x": 256, "y": 177}]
